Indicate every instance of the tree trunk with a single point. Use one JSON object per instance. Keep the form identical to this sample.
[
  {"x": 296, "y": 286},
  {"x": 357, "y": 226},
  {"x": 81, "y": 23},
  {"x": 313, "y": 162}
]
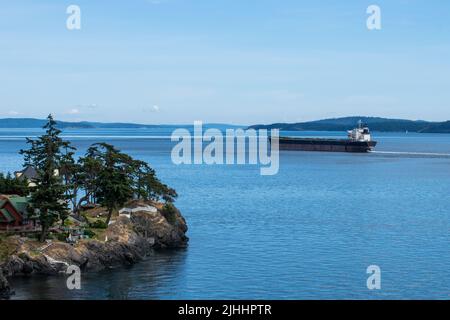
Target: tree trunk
[
  {"x": 76, "y": 209},
  {"x": 43, "y": 234},
  {"x": 108, "y": 219},
  {"x": 74, "y": 198}
]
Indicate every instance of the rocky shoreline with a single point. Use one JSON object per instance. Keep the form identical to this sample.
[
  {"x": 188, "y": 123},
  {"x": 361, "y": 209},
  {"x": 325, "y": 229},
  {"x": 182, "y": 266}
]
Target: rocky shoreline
[{"x": 129, "y": 239}]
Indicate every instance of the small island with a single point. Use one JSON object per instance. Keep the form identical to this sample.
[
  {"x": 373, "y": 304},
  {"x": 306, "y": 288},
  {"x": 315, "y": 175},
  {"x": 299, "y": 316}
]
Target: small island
[{"x": 96, "y": 211}]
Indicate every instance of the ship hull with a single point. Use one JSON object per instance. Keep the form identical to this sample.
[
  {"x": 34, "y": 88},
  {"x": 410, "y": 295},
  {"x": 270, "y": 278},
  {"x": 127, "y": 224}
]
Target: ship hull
[{"x": 325, "y": 145}]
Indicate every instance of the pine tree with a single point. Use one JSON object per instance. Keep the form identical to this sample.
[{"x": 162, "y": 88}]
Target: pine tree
[
  {"x": 49, "y": 197},
  {"x": 113, "y": 182}
]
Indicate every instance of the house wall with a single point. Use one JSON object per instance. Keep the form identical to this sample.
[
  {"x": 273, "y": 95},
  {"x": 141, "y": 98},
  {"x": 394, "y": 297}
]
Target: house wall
[
  {"x": 18, "y": 218},
  {"x": 8, "y": 206}
]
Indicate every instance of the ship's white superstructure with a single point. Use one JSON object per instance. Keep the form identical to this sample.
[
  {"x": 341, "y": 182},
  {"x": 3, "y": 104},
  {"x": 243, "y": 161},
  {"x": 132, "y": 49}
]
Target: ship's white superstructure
[{"x": 361, "y": 133}]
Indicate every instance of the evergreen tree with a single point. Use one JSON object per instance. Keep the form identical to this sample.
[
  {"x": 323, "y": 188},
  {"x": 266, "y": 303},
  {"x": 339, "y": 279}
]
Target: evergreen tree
[
  {"x": 49, "y": 196},
  {"x": 89, "y": 167},
  {"x": 146, "y": 185},
  {"x": 13, "y": 186},
  {"x": 113, "y": 182},
  {"x": 156, "y": 190},
  {"x": 71, "y": 175}
]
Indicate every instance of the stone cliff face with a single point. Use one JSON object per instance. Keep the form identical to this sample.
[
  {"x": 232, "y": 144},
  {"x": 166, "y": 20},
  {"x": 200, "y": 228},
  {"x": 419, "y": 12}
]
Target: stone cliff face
[
  {"x": 128, "y": 239},
  {"x": 5, "y": 290}
]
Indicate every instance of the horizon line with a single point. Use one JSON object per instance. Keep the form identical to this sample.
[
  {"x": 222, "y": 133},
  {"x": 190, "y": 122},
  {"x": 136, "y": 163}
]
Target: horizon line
[{"x": 218, "y": 123}]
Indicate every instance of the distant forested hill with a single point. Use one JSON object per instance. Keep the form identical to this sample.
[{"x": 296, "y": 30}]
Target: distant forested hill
[
  {"x": 38, "y": 123},
  {"x": 374, "y": 123},
  {"x": 335, "y": 124}
]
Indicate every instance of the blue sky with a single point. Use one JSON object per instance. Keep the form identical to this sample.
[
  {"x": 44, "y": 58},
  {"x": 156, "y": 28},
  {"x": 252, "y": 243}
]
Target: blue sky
[{"x": 234, "y": 61}]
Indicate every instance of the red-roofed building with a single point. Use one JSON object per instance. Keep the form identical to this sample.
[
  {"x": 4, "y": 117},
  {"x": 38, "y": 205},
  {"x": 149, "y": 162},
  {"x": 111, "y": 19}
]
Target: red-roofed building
[{"x": 15, "y": 213}]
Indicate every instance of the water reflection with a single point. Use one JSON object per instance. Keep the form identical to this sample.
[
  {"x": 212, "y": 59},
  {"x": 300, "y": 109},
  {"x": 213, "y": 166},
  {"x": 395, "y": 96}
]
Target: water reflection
[{"x": 155, "y": 278}]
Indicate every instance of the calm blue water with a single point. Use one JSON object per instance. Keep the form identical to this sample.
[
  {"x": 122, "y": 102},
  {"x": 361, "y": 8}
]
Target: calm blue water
[{"x": 309, "y": 232}]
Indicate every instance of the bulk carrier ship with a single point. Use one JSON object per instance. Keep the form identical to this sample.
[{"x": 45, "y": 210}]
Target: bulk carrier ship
[{"x": 359, "y": 140}]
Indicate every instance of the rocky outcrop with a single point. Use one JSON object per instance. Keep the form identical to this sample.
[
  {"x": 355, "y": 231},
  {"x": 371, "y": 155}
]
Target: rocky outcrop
[
  {"x": 165, "y": 232},
  {"x": 128, "y": 240},
  {"x": 5, "y": 290}
]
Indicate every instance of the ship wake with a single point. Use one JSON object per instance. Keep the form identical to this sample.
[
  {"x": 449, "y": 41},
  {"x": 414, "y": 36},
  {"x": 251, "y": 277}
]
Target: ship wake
[{"x": 412, "y": 154}]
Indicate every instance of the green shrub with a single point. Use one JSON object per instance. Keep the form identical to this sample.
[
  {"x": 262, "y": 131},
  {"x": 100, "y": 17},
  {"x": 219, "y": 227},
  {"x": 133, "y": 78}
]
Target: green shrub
[
  {"x": 23, "y": 256},
  {"x": 61, "y": 236},
  {"x": 4, "y": 250},
  {"x": 169, "y": 212},
  {"x": 51, "y": 236},
  {"x": 34, "y": 235},
  {"x": 99, "y": 224},
  {"x": 68, "y": 223},
  {"x": 89, "y": 233}
]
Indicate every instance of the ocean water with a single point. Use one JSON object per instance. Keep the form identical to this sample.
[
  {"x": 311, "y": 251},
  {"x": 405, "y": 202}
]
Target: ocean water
[{"x": 309, "y": 232}]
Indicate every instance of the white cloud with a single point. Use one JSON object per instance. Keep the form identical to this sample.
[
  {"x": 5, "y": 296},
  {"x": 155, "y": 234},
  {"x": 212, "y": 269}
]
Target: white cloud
[
  {"x": 13, "y": 113},
  {"x": 154, "y": 108},
  {"x": 73, "y": 111}
]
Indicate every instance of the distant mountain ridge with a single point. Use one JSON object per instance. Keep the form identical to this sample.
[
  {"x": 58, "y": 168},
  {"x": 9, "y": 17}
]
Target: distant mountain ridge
[
  {"x": 332, "y": 124},
  {"x": 39, "y": 123},
  {"x": 374, "y": 123}
]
